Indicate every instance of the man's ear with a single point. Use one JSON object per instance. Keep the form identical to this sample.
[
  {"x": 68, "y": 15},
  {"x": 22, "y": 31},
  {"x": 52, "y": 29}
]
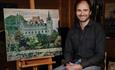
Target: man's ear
[{"x": 90, "y": 12}]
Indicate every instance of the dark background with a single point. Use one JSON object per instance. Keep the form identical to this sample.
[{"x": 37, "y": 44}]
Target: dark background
[{"x": 66, "y": 18}]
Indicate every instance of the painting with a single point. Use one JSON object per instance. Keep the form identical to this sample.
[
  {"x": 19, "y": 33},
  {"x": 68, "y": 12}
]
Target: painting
[
  {"x": 31, "y": 33},
  {"x": 109, "y": 9}
]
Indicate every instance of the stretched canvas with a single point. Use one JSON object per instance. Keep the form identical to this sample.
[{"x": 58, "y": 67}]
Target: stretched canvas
[{"x": 31, "y": 33}]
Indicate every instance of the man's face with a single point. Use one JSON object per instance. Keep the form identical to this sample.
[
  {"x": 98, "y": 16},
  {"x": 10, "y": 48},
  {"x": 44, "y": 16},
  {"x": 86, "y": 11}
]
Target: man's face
[{"x": 83, "y": 11}]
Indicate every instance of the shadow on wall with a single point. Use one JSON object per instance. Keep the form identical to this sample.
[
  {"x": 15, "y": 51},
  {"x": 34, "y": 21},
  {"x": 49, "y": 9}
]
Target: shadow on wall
[{"x": 63, "y": 32}]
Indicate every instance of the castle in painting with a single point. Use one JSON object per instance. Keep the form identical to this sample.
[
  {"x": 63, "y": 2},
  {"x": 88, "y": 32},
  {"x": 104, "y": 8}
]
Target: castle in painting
[{"x": 36, "y": 26}]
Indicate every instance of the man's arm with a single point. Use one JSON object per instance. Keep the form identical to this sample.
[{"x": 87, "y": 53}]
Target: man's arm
[{"x": 68, "y": 49}]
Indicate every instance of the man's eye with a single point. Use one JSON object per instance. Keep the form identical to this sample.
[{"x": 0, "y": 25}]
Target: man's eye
[
  {"x": 85, "y": 9},
  {"x": 78, "y": 10}
]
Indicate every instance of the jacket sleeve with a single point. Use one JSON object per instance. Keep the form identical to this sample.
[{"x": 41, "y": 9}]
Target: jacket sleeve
[
  {"x": 68, "y": 48},
  {"x": 99, "y": 50}
]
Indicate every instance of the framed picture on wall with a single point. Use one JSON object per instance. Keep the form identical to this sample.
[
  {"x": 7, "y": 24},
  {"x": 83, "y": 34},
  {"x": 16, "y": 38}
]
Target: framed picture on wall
[
  {"x": 109, "y": 10},
  {"x": 110, "y": 19}
]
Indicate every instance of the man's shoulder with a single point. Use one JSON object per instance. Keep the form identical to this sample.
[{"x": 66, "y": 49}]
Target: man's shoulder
[
  {"x": 98, "y": 27},
  {"x": 72, "y": 31},
  {"x": 97, "y": 24}
]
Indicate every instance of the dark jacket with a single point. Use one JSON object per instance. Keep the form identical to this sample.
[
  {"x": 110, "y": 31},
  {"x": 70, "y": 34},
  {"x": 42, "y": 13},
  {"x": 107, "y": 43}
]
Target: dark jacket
[{"x": 87, "y": 44}]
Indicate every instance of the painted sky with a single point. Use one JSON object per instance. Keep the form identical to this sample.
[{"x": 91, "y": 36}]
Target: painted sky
[{"x": 29, "y": 13}]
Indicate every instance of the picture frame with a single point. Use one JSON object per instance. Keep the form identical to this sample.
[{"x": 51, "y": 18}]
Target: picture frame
[{"x": 110, "y": 20}]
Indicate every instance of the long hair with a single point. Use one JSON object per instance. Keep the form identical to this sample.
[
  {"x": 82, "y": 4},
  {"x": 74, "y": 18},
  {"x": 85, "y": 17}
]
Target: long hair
[{"x": 76, "y": 4}]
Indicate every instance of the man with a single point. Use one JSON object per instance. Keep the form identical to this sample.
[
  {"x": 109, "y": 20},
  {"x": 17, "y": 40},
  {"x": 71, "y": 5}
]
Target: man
[{"x": 84, "y": 48}]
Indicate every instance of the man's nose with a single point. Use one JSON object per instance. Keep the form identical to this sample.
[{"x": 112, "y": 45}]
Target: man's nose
[{"x": 82, "y": 13}]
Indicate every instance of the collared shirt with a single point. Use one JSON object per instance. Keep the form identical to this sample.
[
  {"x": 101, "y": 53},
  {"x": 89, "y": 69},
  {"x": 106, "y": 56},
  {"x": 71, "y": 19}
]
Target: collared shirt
[{"x": 87, "y": 44}]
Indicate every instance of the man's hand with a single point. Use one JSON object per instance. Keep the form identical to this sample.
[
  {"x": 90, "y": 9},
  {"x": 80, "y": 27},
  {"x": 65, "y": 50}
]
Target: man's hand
[
  {"x": 72, "y": 66},
  {"x": 77, "y": 67}
]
